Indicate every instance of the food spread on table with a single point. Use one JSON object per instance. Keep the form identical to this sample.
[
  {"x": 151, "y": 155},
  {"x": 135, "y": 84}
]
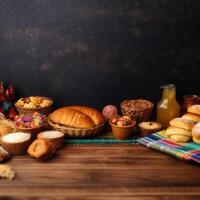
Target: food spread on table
[{"x": 21, "y": 133}]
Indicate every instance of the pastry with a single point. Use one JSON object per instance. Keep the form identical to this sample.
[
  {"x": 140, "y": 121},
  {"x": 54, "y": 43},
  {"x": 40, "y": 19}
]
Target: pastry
[
  {"x": 178, "y": 134},
  {"x": 196, "y": 133},
  {"x": 41, "y": 149},
  {"x": 182, "y": 123},
  {"x": 6, "y": 126},
  {"x": 180, "y": 138},
  {"x": 94, "y": 114},
  {"x": 4, "y": 155},
  {"x": 194, "y": 117},
  {"x": 149, "y": 127},
  {"x": 6, "y": 172},
  {"x": 4, "y": 129},
  {"x": 195, "y": 109},
  {"x": 16, "y": 143},
  {"x": 55, "y": 137}
]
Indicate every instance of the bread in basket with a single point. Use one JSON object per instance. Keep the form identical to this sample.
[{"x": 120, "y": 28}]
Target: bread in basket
[
  {"x": 29, "y": 105},
  {"x": 77, "y": 121}
]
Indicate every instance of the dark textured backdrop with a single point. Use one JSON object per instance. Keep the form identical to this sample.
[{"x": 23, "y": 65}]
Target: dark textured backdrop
[{"x": 97, "y": 52}]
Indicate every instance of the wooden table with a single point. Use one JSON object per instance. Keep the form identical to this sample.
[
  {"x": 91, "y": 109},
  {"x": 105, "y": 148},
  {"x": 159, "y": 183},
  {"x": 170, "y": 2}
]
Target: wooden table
[{"x": 103, "y": 172}]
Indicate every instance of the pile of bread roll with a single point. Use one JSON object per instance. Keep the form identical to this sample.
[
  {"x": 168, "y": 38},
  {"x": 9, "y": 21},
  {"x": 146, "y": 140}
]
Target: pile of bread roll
[{"x": 187, "y": 127}]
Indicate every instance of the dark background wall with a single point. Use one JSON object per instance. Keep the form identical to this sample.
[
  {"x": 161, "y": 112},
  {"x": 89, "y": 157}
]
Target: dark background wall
[{"x": 98, "y": 52}]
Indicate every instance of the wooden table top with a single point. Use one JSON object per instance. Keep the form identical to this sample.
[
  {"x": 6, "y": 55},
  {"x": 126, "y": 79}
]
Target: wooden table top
[{"x": 103, "y": 172}]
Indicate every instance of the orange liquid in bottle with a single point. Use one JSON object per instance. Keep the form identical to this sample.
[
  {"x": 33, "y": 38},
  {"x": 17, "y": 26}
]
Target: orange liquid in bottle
[{"x": 168, "y": 108}]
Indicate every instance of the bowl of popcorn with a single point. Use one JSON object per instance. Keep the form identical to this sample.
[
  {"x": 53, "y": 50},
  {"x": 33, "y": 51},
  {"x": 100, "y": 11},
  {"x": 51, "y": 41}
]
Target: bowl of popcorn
[
  {"x": 31, "y": 123},
  {"x": 32, "y": 104},
  {"x": 122, "y": 127}
]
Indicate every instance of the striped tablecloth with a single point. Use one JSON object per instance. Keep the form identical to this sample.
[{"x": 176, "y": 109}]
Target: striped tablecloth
[{"x": 185, "y": 151}]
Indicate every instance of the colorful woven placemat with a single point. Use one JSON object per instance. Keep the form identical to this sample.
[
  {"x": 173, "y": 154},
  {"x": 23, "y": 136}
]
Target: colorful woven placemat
[
  {"x": 102, "y": 139},
  {"x": 185, "y": 151}
]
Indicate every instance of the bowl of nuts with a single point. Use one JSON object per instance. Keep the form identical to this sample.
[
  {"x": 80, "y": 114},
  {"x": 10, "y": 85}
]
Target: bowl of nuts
[
  {"x": 30, "y": 105},
  {"x": 122, "y": 127}
]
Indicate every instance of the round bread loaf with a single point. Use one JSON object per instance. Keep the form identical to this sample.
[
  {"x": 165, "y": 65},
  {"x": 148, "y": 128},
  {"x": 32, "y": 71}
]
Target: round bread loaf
[
  {"x": 177, "y": 131},
  {"x": 195, "y": 118},
  {"x": 196, "y": 133},
  {"x": 194, "y": 109},
  {"x": 182, "y": 123}
]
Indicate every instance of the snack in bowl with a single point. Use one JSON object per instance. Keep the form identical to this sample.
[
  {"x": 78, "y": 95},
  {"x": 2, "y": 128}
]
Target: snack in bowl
[
  {"x": 30, "y": 123},
  {"x": 77, "y": 121},
  {"x": 139, "y": 109},
  {"x": 55, "y": 137},
  {"x": 41, "y": 149},
  {"x": 16, "y": 143},
  {"x": 149, "y": 127},
  {"x": 34, "y": 104},
  {"x": 122, "y": 127}
]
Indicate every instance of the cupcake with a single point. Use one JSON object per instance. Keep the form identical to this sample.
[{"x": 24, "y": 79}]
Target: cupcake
[
  {"x": 55, "y": 137},
  {"x": 16, "y": 143}
]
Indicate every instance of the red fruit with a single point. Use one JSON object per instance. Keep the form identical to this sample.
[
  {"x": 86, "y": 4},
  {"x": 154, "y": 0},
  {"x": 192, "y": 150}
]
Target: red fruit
[{"x": 11, "y": 113}]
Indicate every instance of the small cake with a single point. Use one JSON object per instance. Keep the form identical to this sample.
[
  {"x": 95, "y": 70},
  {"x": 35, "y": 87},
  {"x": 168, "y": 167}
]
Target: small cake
[
  {"x": 6, "y": 172},
  {"x": 194, "y": 117},
  {"x": 41, "y": 149},
  {"x": 4, "y": 155},
  {"x": 149, "y": 127},
  {"x": 16, "y": 143},
  {"x": 55, "y": 137},
  {"x": 182, "y": 123}
]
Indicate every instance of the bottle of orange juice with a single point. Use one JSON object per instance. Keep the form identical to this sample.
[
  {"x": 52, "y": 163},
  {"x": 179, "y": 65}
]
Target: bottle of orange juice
[{"x": 168, "y": 108}]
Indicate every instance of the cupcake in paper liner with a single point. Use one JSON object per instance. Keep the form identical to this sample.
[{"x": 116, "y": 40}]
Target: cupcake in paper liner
[{"x": 16, "y": 143}]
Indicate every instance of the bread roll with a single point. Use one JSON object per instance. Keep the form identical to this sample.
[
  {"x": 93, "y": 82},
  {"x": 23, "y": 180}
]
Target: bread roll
[
  {"x": 177, "y": 131},
  {"x": 180, "y": 138},
  {"x": 194, "y": 109},
  {"x": 70, "y": 117},
  {"x": 196, "y": 133},
  {"x": 182, "y": 123},
  {"x": 95, "y": 115},
  {"x": 195, "y": 118}
]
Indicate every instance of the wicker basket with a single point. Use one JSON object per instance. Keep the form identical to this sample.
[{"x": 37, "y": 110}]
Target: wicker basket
[
  {"x": 44, "y": 110},
  {"x": 76, "y": 132},
  {"x": 139, "y": 110}
]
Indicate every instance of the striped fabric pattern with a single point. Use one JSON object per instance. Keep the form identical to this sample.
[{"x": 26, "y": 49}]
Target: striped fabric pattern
[{"x": 185, "y": 151}]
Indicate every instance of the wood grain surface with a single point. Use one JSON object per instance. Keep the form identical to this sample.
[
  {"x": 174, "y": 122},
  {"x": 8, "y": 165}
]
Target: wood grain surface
[{"x": 103, "y": 172}]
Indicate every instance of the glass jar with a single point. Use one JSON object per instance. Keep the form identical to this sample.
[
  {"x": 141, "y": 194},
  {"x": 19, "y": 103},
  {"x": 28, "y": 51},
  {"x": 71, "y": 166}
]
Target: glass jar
[
  {"x": 189, "y": 100},
  {"x": 168, "y": 107}
]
